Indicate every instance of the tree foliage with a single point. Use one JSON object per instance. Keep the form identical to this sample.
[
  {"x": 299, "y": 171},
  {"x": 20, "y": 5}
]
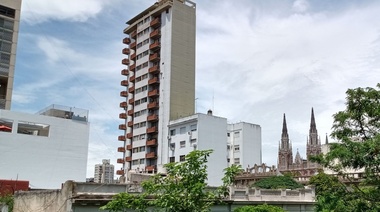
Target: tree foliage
[
  {"x": 357, "y": 129},
  {"x": 183, "y": 188},
  {"x": 7, "y": 200},
  {"x": 278, "y": 182},
  {"x": 259, "y": 208}
]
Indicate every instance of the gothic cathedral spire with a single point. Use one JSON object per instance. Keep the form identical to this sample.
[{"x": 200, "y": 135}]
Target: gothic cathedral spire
[{"x": 285, "y": 153}]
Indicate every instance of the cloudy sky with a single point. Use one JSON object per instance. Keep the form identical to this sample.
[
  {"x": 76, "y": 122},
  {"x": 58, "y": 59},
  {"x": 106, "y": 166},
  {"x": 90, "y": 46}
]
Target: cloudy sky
[{"x": 256, "y": 59}]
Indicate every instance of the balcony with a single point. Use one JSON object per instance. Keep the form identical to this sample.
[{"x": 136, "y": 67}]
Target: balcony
[
  {"x": 130, "y": 112},
  {"x": 132, "y": 79},
  {"x": 120, "y": 149},
  {"x": 131, "y": 101},
  {"x": 151, "y": 142},
  {"x": 124, "y": 72},
  {"x": 133, "y": 45},
  {"x": 121, "y": 138},
  {"x": 153, "y": 105},
  {"x": 126, "y": 41},
  {"x": 125, "y": 51},
  {"x": 124, "y": 94},
  {"x": 154, "y": 45},
  {"x": 150, "y": 168},
  {"x": 120, "y": 172},
  {"x": 133, "y": 56},
  {"x": 124, "y": 83},
  {"x": 151, "y": 130},
  {"x": 123, "y": 104},
  {"x": 122, "y": 116},
  {"x": 153, "y": 117},
  {"x": 122, "y": 127},
  {"x": 150, "y": 155},
  {"x": 154, "y": 69},
  {"x": 130, "y": 123},
  {"x": 153, "y": 93},
  {"x": 125, "y": 61},
  {"x": 153, "y": 81},
  {"x": 153, "y": 57},
  {"x": 128, "y": 159},
  {"x": 129, "y": 147},
  {"x": 131, "y": 89},
  {"x": 129, "y": 135},
  {"x": 132, "y": 67},
  {"x": 120, "y": 160},
  {"x": 155, "y": 22},
  {"x": 156, "y": 33},
  {"x": 134, "y": 34}
]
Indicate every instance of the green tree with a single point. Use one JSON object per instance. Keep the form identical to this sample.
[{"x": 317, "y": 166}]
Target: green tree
[
  {"x": 228, "y": 180},
  {"x": 259, "y": 208},
  {"x": 7, "y": 200},
  {"x": 183, "y": 188},
  {"x": 278, "y": 182},
  {"x": 357, "y": 130}
]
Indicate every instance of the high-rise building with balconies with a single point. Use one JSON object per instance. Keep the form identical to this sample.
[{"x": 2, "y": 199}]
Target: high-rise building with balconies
[
  {"x": 159, "y": 81},
  {"x": 9, "y": 24}
]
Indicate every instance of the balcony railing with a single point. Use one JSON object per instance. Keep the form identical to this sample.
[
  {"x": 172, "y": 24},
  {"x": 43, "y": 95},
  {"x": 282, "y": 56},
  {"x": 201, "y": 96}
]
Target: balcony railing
[
  {"x": 152, "y": 142},
  {"x": 150, "y": 155},
  {"x": 121, "y": 138},
  {"x": 132, "y": 45},
  {"x": 154, "y": 57},
  {"x": 120, "y": 172},
  {"x": 129, "y": 135},
  {"x": 129, "y": 147},
  {"x": 124, "y": 83},
  {"x": 151, "y": 130},
  {"x": 150, "y": 168},
  {"x": 123, "y": 104},
  {"x": 125, "y": 51},
  {"x": 154, "y": 45},
  {"x": 125, "y": 61},
  {"x": 120, "y": 160},
  {"x": 122, "y": 116},
  {"x": 122, "y": 127},
  {"x": 126, "y": 41},
  {"x": 155, "y": 33},
  {"x": 153, "y": 93},
  {"x": 152, "y": 105},
  {"x": 132, "y": 67},
  {"x": 153, "y": 117},
  {"x": 120, "y": 149},
  {"x": 130, "y": 112},
  {"x": 124, "y": 94},
  {"x": 133, "y": 56},
  {"x": 132, "y": 78},
  {"x": 154, "y": 69},
  {"x": 131, "y": 89},
  {"x": 155, "y": 22},
  {"x": 134, "y": 34},
  {"x": 124, "y": 72},
  {"x": 128, "y": 159},
  {"x": 131, "y": 101},
  {"x": 130, "y": 123},
  {"x": 153, "y": 80}
]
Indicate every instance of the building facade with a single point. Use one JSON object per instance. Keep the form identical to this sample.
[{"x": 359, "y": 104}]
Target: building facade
[
  {"x": 244, "y": 144},
  {"x": 9, "y": 25},
  {"x": 159, "y": 83},
  {"x": 302, "y": 168},
  {"x": 104, "y": 173},
  {"x": 45, "y": 149}
]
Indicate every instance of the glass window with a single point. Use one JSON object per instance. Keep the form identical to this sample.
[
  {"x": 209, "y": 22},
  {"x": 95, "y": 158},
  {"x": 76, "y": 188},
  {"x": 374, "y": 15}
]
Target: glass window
[
  {"x": 172, "y": 159},
  {"x": 182, "y": 144},
  {"x": 182, "y": 158},
  {"x": 193, "y": 127},
  {"x": 182, "y": 130},
  {"x": 172, "y": 132},
  {"x": 236, "y": 148}
]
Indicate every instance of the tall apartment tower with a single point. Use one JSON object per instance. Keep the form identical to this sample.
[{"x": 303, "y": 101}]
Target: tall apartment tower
[
  {"x": 104, "y": 173},
  {"x": 9, "y": 24},
  {"x": 159, "y": 83}
]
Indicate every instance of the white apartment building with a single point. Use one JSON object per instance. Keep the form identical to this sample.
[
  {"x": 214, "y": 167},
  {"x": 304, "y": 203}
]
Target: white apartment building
[
  {"x": 159, "y": 81},
  {"x": 47, "y": 148},
  {"x": 9, "y": 25},
  {"x": 244, "y": 144},
  {"x": 104, "y": 173}
]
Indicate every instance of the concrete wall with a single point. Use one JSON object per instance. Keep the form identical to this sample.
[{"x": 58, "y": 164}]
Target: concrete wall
[{"x": 45, "y": 162}]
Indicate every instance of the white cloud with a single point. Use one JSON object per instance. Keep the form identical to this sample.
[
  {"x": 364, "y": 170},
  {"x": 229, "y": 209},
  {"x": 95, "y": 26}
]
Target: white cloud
[{"x": 300, "y": 6}]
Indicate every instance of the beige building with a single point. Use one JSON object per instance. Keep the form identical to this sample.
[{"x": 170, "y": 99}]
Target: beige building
[
  {"x": 158, "y": 81},
  {"x": 104, "y": 173},
  {"x": 9, "y": 24}
]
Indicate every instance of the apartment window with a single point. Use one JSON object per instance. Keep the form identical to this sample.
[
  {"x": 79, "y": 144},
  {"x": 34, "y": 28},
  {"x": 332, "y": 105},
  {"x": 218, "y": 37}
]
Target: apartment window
[
  {"x": 172, "y": 159},
  {"x": 145, "y": 64},
  {"x": 182, "y": 130},
  {"x": 236, "y": 148},
  {"x": 6, "y": 125},
  {"x": 135, "y": 162},
  {"x": 172, "y": 132},
  {"x": 30, "y": 128},
  {"x": 143, "y": 100},
  {"x": 237, "y": 161},
  {"x": 142, "y": 161},
  {"x": 228, "y": 160},
  {"x": 137, "y": 102},
  {"x": 228, "y": 134},
  {"x": 135, "y": 150},
  {"x": 236, "y": 134},
  {"x": 193, "y": 127},
  {"x": 141, "y": 148},
  {"x": 144, "y": 76},
  {"x": 182, "y": 158},
  {"x": 142, "y": 136},
  {"x": 193, "y": 141},
  {"x": 182, "y": 144}
]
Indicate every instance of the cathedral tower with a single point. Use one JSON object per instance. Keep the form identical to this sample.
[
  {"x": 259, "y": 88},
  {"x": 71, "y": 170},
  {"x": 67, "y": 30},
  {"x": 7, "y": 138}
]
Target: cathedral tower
[
  {"x": 285, "y": 153},
  {"x": 313, "y": 142}
]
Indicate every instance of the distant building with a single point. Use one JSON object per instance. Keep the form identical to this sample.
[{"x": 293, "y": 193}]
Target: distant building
[
  {"x": 9, "y": 25},
  {"x": 302, "y": 168},
  {"x": 104, "y": 172},
  {"x": 11, "y": 186},
  {"x": 47, "y": 148},
  {"x": 159, "y": 81}
]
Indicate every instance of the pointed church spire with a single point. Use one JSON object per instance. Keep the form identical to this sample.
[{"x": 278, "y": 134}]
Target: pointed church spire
[
  {"x": 284, "y": 127},
  {"x": 313, "y": 126},
  {"x": 327, "y": 139}
]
